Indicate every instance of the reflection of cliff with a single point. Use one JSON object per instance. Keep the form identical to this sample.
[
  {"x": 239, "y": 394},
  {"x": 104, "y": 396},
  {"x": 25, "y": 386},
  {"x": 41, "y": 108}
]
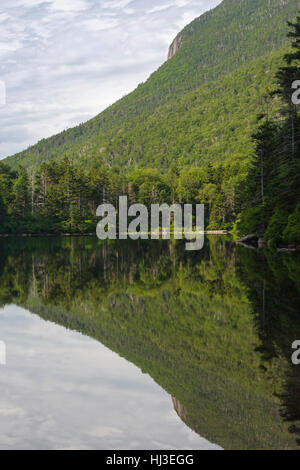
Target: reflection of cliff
[
  {"x": 182, "y": 413},
  {"x": 185, "y": 320},
  {"x": 179, "y": 409}
]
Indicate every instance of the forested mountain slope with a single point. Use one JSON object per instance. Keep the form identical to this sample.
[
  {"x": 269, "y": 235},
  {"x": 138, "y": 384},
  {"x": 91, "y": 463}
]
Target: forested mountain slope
[
  {"x": 199, "y": 106},
  {"x": 214, "y": 125}
]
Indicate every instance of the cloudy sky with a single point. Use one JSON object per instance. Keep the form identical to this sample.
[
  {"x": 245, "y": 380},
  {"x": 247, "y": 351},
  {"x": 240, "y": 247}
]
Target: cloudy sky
[{"x": 64, "y": 61}]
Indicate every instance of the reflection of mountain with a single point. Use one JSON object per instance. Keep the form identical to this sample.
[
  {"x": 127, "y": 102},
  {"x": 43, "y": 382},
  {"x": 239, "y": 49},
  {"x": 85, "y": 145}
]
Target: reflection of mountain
[{"x": 194, "y": 322}]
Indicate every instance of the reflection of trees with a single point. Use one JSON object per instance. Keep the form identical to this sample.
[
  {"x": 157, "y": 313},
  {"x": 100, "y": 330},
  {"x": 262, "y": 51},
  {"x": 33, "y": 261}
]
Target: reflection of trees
[
  {"x": 290, "y": 410},
  {"x": 274, "y": 292},
  {"x": 186, "y": 319}
]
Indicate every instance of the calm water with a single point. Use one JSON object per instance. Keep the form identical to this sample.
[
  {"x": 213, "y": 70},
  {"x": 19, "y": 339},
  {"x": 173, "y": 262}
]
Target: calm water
[{"x": 146, "y": 346}]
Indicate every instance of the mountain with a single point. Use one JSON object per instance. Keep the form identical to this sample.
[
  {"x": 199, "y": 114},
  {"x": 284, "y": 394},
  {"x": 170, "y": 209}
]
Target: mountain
[
  {"x": 215, "y": 124},
  {"x": 198, "y": 107}
]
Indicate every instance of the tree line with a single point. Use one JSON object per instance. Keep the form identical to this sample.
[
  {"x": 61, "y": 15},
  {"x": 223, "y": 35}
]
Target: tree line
[
  {"x": 61, "y": 197},
  {"x": 257, "y": 192}
]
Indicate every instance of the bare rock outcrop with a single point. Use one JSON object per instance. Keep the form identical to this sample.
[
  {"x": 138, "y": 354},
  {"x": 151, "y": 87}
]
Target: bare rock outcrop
[{"x": 175, "y": 46}]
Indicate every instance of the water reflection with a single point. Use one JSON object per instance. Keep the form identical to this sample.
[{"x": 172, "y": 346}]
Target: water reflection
[
  {"x": 214, "y": 329},
  {"x": 62, "y": 390}
]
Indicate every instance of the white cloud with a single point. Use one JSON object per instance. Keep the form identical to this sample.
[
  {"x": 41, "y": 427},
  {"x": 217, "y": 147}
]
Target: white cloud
[
  {"x": 64, "y": 61},
  {"x": 63, "y": 5},
  {"x": 30, "y": 3},
  {"x": 3, "y": 17},
  {"x": 69, "y": 5},
  {"x": 159, "y": 8},
  {"x": 101, "y": 24},
  {"x": 116, "y": 4},
  {"x": 9, "y": 46}
]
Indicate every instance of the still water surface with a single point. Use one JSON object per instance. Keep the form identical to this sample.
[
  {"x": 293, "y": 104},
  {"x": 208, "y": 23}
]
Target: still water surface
[
  {"x": 61, "y": 389},
  {"x": 145, "y": 346}
]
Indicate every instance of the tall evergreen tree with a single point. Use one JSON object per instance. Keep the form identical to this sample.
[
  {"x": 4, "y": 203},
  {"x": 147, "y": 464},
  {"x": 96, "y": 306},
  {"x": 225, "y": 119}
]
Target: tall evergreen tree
[
  {"x": 274, "y": 183},
  {"x": 20, "y": 203}
]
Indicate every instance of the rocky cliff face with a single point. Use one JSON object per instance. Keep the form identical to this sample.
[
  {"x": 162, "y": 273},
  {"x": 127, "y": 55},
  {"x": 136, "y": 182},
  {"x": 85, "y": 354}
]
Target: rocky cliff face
[{"x": 175, "y": 46}]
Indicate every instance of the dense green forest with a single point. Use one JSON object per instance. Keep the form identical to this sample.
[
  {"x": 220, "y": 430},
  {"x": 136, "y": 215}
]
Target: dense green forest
[
  {"x": 189, "y": 134},
  {"x": 213, "y": 328},
  {"x": 60, "y": 197},
  {"x": 271, "y": 200}
]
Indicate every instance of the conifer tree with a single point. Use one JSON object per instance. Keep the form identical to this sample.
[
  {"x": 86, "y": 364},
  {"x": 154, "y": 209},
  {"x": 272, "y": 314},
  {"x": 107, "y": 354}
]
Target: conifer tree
[{"x": 20, "y": 203}]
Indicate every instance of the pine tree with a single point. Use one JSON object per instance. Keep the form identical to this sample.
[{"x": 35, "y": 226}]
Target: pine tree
[
  {"x": 286, "y": 76},
  {"x": 274, "y": 182},
  {"x": 2, "y": 213},
  {"x": 21, "y": 198}
]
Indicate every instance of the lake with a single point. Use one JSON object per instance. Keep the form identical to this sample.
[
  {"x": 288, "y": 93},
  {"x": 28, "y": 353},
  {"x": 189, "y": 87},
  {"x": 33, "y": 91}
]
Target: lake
[{"x": 143, "y": 345}]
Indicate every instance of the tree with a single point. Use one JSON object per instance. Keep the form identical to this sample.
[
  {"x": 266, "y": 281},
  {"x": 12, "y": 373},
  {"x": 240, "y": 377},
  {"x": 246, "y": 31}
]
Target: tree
[
  {"x": 20, "y": 202},
  {"x": 2, "y": 213},
  {"x": 190, "y": 183},
  {"x": 274, "y": 182}
]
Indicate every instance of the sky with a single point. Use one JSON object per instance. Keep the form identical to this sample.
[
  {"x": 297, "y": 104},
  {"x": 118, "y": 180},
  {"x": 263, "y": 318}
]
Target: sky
[{"x": 64, "y": 61}]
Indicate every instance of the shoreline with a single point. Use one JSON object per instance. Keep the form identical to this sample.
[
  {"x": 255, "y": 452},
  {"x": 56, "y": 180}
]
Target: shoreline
[
  {"x": 89, "y": 234},
  {"x": 254, "y": 242},
  {"x": 245, "y": 242}
]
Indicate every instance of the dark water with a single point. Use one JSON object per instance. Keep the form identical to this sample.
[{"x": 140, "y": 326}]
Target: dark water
[{"x": 144, "y": 345}]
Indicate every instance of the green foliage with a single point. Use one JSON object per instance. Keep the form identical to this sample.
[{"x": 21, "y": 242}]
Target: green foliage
[
  {"x": 189, "y": 134},
  {"x": 20, "y": 194},
  {"x": 189, "y": 107},
  {"x": 273, "y": 187},
  {"x": 251, "y": 221},
  {"x": 213, "y": 328},
  {"x": 276, "y": 226},
  {"x": 189, "y": 185},
  {"x": 291, "y": 232}
]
